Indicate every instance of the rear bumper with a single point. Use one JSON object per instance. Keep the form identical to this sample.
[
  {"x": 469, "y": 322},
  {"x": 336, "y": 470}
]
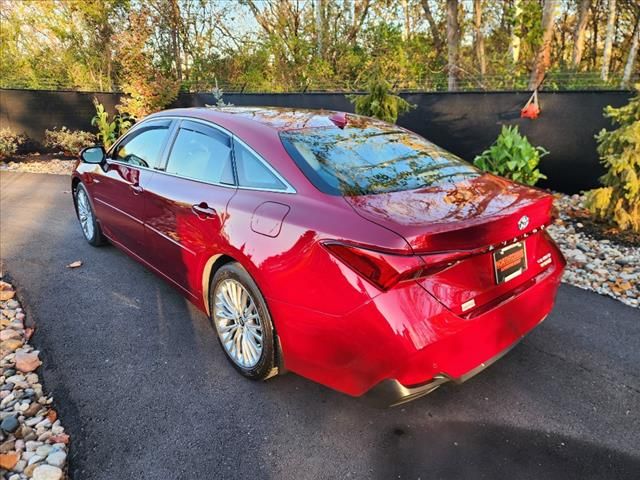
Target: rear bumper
[
  {"x": 391, "y": 393},
  {"x": 404, "y": 343}
]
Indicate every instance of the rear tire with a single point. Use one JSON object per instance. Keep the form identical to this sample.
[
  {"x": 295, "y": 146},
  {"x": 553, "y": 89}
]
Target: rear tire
[
  {"x": 88, "y": 223},
  {"x": 240, "y": 316}
]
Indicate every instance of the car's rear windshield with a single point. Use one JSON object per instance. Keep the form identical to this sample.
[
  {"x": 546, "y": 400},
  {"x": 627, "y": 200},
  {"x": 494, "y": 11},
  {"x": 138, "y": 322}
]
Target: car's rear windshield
[{"x": 372, "y": 159}]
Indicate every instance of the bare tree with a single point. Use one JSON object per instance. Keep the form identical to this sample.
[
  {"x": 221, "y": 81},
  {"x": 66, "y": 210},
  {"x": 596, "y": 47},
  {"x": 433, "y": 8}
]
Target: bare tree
[
  {"x": 633, "y": 55},
  {"x": 479, "y": 37},
  {"x": 608, "y": 42},
  {"x": 543, "y": 56},
  {"x": 360, "y": 12},
  {"x": 578, "y": 33},
  {"x": 453, "y": 44},
  {"x": 433, "y": 26}
]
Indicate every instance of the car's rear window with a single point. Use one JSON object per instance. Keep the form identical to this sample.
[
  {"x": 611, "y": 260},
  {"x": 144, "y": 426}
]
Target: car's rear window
[{"x": 372, "y": 159}]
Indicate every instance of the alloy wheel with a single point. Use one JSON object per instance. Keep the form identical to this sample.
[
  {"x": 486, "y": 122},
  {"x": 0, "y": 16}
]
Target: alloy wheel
[
  {"x": 238, "y": 323},
  {"x": 85, "y": 214}
]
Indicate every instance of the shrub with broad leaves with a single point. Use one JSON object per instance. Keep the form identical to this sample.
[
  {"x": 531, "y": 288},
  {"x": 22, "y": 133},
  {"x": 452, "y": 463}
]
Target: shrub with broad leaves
[
  {"x": 513, "y": 157},
  {"x": 618, "y": 201},
  {"x": 109, "y": 130},
  {"x": 69, "y": 141},
  {"x": 9, "y": 142}
]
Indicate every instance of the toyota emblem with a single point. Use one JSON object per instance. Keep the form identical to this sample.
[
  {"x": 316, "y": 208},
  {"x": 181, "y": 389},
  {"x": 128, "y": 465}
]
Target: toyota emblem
[{"x": 523, "y": 222}]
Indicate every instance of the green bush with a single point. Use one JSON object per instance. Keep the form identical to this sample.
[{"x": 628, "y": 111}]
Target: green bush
[
  {"x": 108, "y": 131},
  {"x": 380, "y": 102},
  {"x": 9, "y": 142},
  {"x": 512, "y": 156},
  {"x": 69, "y": 141},
  {"x": 618, "y": 201}
]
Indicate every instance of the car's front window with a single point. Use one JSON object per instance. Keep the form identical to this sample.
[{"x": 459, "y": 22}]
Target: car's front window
[
  {"x": 369, "y": 159},
  {"x": 143, "y": 147}
]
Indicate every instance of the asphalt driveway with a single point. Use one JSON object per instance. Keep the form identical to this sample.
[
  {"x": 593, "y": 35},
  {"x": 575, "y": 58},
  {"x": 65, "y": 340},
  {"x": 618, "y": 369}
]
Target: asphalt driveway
[{"x": 145, "y": 392}]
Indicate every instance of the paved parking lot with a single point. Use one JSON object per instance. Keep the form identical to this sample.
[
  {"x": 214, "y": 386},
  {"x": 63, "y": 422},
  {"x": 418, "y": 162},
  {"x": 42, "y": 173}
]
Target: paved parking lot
[{"x": 145, "y": 392}]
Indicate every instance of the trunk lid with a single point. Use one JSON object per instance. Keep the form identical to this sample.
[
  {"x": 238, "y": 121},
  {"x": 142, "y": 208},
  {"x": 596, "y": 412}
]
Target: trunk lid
[
  {"x": 466, "y": 223},
  {"x": 484, "y": 211}
]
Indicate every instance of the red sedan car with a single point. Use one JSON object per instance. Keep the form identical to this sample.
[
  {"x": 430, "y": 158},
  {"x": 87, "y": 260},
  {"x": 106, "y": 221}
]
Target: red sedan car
[{"x": 345, "y": 249}]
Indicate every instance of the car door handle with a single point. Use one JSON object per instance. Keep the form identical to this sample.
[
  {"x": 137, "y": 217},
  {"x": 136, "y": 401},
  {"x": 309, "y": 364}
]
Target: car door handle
[{"x": 203, "y": 210}]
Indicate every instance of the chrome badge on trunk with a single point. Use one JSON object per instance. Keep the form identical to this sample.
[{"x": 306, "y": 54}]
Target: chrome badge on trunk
[{"x": 523, "y": 222}]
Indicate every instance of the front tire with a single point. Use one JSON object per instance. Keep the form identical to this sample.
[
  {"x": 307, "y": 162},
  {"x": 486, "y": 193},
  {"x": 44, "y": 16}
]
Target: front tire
[
  {"x": 88, "y": 223},
  {"x": 242, "y": 321}
]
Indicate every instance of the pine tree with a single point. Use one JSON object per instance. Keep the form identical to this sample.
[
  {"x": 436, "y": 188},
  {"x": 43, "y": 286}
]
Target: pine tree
[
  {"x": 618, "y": 201},
  {"x": 380, "y": 101}
]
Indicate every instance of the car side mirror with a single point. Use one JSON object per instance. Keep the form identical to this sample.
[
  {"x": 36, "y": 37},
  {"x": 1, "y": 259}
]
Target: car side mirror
[{"x": 96, "y": 155}]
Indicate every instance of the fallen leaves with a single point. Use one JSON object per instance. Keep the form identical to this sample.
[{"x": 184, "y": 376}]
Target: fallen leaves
[{"x": 620, "y": 286}]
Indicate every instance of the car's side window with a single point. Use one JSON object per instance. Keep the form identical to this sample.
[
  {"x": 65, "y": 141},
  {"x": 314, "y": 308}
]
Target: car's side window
[
  {"x": 252, "y": 172},
  {"x": 201, "y": 153},
  {"x": 142, "y": 148}
]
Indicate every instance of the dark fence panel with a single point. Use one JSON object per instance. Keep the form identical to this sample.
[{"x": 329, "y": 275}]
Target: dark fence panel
[
  {"x": 464, "y": 123},
  {"x": 33, "y": 111}
]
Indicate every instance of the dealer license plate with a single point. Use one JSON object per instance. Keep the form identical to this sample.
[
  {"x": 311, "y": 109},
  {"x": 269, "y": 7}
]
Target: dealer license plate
[{"x": 509, "y": 262}]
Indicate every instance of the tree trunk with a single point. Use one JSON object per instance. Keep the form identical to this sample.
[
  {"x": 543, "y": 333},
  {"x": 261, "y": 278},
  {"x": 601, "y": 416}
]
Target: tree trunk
[
  {"x": 543, "y": 56},
  {"x": 174, "y": 25},
  {"x": 514, "y": 44},
  {"x": 631, "y": 59},
  {"x": 433, "y": 26},
  {"x": 578, "y": 33},
  {"x": 479, "y": 37},
  {"x": 563, "y": 40},
  {"x": 360, "y": 12},
  {"x": 319, "y": 26},
  {"x": 608, "y": 42},
  {"x": 595, "y": 20},
  {"x": 453, "y": 43}
]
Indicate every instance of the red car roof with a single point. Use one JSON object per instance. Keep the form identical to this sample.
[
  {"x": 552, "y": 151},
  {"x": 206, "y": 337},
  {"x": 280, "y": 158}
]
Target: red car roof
[{"x": 275, "y": 118}]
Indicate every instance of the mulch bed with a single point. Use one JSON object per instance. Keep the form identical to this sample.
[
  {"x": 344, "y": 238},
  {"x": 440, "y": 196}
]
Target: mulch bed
[{"x": 584, "y": 223}]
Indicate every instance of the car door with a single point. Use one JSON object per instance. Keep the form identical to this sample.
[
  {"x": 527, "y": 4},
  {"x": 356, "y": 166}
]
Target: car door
[
  {"x": 187, "y": 203},
  {"x": 118, "y": 191}
]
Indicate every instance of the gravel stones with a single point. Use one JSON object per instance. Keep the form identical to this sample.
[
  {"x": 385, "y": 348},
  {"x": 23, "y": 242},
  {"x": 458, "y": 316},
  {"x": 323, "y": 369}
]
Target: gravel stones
[
  {"x": 9, "y": 460},
  {"x": 33, "y": 443},
  {"x": 33, "y": 165},
  {"x": 47, "y": 472},
  {"x": 27, "y": 362},
  {"x": 602, "y": 266},
  {"x": 9, "y": 424}
]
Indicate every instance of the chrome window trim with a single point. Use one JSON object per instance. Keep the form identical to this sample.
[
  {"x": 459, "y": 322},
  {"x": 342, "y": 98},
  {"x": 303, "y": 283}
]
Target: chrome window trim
[
  {"x": 135, "y": 127},
  {"x": 289, "y": 189}
]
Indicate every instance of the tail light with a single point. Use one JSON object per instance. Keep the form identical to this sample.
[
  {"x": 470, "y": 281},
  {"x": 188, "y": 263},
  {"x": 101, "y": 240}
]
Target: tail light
[{"x": 383, "y": 269}]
